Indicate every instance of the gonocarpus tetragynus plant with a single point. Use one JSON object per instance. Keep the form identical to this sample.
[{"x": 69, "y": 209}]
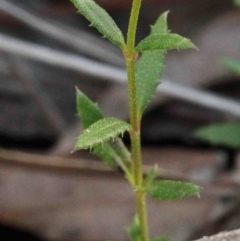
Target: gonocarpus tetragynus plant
[{"x": 144, "y": 64}]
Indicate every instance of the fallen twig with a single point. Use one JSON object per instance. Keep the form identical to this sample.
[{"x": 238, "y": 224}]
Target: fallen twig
[
  {"x": 67, "y": 165},
  {"x": 106, "y": 72},
  {"x": 81, "y": 41}
]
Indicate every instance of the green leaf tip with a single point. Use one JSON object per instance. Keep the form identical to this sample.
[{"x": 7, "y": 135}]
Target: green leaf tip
[
  {"x": 100, "y": 132},
  {"x": 87, "y": 110},
  {"x": 101, "y": 20},
  {"x": 164, "y": 41},
  {"x": 223, "y": 134},
  {"x": 172, "y": 190},
  {"x": 161, "y": 25}
]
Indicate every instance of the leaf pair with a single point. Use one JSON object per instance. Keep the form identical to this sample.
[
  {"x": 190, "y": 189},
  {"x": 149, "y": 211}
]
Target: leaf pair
[
  {"x": 98, "y": 131},
  {"x": 150, "y": 65},
  {"x": 103, "y": 22},
  {"x": 149, "y": 68}
]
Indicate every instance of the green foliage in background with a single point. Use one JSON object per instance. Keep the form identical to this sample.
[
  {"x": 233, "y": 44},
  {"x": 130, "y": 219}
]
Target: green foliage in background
[
  {"x": 237, "y": 3},
  {"x": 223, "y": 134},
  {"x": 226, "y": 134},
  {"x": 231, "y": 64}
]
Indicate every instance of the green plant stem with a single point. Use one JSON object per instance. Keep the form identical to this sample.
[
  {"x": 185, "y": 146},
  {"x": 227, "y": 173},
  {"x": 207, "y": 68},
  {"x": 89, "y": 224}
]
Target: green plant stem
[
  {"x": 131, "y": 57},
  {"x": 140, "y": 194},
  {"x": 132, "y": 27},
  {"x": 142, "y": 214}
]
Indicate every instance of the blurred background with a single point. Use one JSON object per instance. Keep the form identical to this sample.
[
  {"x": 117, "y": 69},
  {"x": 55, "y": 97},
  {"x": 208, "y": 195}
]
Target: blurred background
[{"x": 47, "y": 193}]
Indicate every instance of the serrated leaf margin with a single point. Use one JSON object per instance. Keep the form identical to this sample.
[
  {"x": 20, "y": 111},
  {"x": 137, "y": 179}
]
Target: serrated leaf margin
[
  {"x": 100, "y": 132},
  {"x": 172, "y": 190},
  {"x": 101, "y": 20},
  {"x": 164, "y": 41}
]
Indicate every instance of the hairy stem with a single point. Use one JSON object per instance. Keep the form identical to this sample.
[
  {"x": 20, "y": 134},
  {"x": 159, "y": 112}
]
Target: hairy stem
[
  {"x": 132, "y": 27},
  {"x": 131, "y": 57}
]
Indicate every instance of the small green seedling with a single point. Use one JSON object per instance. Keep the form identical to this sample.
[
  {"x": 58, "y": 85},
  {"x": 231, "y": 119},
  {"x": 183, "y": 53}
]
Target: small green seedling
[{"x": 144, "y": 63}]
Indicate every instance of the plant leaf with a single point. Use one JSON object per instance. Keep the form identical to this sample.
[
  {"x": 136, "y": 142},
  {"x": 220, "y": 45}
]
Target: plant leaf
[
  {"x": 227, "y": 134},
  {"x": 150, "y": 67},
  {"x": 134, "y": 231},
  {"x": 231, "y": 64},
  {"x": 165, "y": 41},
  {"x": 148, "y": 71},
  {"x": 104, "y": 153},
  {"x": 100, "y": 132},
  {"x": 89, "y": 113},
  {"x": 101, "y": 20},
  {"x": 115, "y": 154},
  {"x": 172, "y": 190}
]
